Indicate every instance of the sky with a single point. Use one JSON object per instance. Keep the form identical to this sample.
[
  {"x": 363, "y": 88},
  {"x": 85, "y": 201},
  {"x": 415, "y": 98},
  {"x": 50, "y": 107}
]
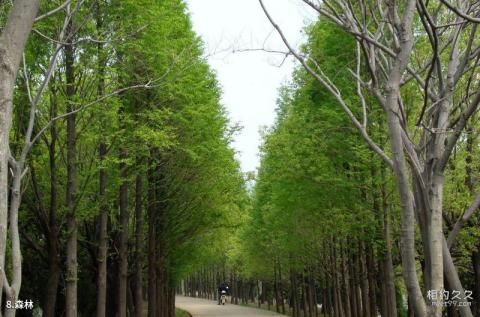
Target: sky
[{"x": 249, "y": 78}]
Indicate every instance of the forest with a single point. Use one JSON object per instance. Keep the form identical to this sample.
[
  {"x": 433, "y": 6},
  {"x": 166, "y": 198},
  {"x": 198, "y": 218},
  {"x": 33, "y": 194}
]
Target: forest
[{"x": 121, "y": 190}]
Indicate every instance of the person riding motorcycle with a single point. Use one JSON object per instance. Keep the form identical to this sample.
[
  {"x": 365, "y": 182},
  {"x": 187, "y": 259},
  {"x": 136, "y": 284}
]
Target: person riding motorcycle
[{"x": 222, "y": 290}]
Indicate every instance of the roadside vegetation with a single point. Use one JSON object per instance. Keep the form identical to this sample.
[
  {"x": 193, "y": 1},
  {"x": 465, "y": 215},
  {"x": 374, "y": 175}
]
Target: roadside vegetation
[{"x": 119, "y": 183}]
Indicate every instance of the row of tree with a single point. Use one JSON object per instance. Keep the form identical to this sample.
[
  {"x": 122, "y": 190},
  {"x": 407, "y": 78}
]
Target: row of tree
[
  {"x": 119, "y": 152},
  {"x": 366, "y": 196},
  {"x": 116, "y": 176}
]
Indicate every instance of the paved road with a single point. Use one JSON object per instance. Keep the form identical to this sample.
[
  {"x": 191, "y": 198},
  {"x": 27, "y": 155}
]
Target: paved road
[{"x": 207, "y": 308}]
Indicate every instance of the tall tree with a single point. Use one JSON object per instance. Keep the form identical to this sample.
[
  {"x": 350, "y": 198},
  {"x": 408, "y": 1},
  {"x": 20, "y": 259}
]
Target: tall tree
[
  {"x": 12, "y": 42},
  {"x": 389, "y": 70}
]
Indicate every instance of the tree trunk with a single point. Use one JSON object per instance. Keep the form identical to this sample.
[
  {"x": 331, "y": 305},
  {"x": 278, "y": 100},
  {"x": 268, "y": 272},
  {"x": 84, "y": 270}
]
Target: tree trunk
[
  {"x": 53, "y": 250},
  {"x": 16, "y": 256},
  {"x": 303, "y": 290},
  {"x": 53, "y": 281},
  {"x": 103, "y": 237},
  {"x": 138, "y": 246},
  {"x": 383, "y": 296},
  {"x": 312, "y": 302},
  {"x": 364, "y": 279},
  {"x": 275, "y": 288},
  {"x": 399, "y": 163},
  {"x": 72, "y": 265},
  {"x": 160, "y": 292},
  {"x": 315, "y": 294},
  {"x": 452, "y": 277},
  {"x": 408, "y": 214},
  {"x": 389, "y": 284},
  {"x": 356, "y": 284},
  {"x": 337, "y": 301},
  {"x": 328, "y": 306},
  {"x": 371, "y": 271},
  {"x": 123, "y": 243},
  {"x": 12, "y": 43},
  {"x": 281, "y": 290},
  {"x": 410, "y": 309},
  {"x": 152, "y": 245},
  {"x": 476, "y": 269},
  {"x": 103, "y": 217},
  {"x": 296, "y": 302},
  {"x": 346, "y": 288}
]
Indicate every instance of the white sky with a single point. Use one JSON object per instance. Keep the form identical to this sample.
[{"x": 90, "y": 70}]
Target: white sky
[{"x": 249, "y": 80}]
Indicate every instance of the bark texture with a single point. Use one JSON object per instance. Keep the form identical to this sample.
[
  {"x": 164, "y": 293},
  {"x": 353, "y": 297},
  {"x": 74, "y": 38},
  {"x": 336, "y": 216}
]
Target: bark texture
[
  {"x": 123, "y": 243},
  {"x": 71, "y": 278},
  {"x": 12, "y": 44}
]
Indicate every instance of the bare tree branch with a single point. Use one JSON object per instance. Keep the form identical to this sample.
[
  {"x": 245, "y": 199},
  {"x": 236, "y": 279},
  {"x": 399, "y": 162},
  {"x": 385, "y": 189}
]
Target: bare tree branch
[
  {"x": 459, "y": 12},
  {"x": 458, "y": 129},
  {"x": 462, "y": 220},
  {"x": 85, "y": 106},
  {"x": 52, "y": 12},
  {"x": 332, "y": 89}
]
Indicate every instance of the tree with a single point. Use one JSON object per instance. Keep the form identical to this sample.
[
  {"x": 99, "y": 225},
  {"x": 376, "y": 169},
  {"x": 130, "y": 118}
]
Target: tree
[
  {"x": 12, "y": 42},
  {"x": 390, "y": 68},
  {"x": 176, "y": 136}
]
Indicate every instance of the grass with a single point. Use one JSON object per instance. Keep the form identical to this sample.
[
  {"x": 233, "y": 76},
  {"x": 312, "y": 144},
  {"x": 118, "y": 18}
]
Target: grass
[{"x": 181, "y": 313}]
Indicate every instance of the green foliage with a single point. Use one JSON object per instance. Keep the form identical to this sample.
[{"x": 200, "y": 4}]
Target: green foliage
[
  {"x": 318, "y": 188},
  {"x": 172, "y": 127},
  {"x": 314, "y": 175},
  {"x": 181, "y": 313}
]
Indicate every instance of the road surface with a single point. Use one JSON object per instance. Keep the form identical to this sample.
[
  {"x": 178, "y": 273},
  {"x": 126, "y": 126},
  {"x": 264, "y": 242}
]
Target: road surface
[{"x": 207, "y": 308}]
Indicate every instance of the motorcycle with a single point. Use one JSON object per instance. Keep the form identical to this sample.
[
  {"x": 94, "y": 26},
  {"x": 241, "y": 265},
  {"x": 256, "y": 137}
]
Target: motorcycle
[{"x": 223, "y": 297}]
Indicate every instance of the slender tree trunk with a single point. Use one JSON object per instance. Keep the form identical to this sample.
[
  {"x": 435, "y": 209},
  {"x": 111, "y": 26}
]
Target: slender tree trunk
[
  {"x": 371, "y": 271},
  {"x": 294, "y": 290},
  {"x": 53, "y": 281},
  {"x": 311, "y": 295},
  {"x": 152, "y": 245},
  {"x": 399, "y": 162},
  {"x": 259, "y": 298},
  {"x": 72, "y": 265},
  {"x": 328, "y": 306},
  {"x": 103, "y": 212},
  {"x": 13, "y": 291},
  {"x": 123, "y": 243},
  {"x": 387, "y": 260},
  {"x": 346, "y": 288},
  {"x": 389, "y": 274},
  {"x": 138, "y": 246},
  {"x": 103, "y": 237},
  {"x": 304, "y": 296},
  {"x": 53, "y": 250},
  {"x": 476, "y": 270},
  {"x": 353, "y": 293},
  {"x": 408, "y": 214},
  {"x": 161, "y": 296},
  {"x": 337, "y": 303},
  {"x": 282, "y": 299},
  {"x": 364, "y": 280},
  {"x": 381, "y": 278},
  {"x": 315, "y": 293},
  {"x": 357, "y": 284},
  {"x": 275, "y": 285},
  {"x": 435, "y": 229},
  {"x": 12, "y": 43}
]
